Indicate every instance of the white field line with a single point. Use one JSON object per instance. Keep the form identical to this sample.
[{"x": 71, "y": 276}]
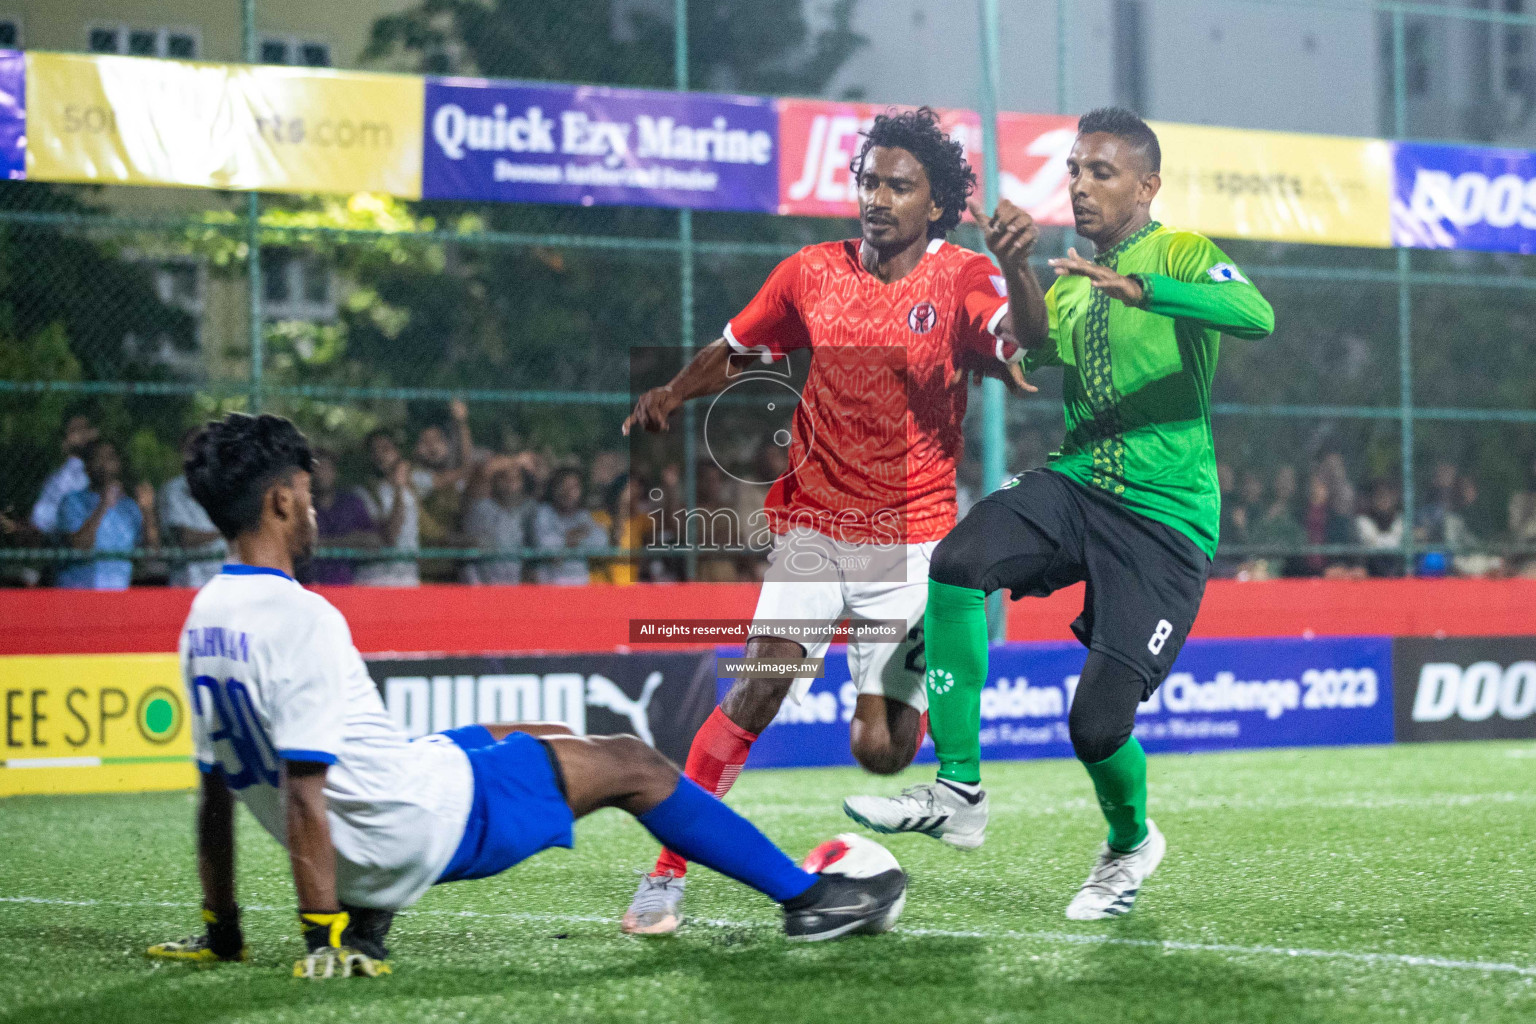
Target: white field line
[
  {"x": 1007, "y": 935},
  {"x": 1171, "y": 805}
]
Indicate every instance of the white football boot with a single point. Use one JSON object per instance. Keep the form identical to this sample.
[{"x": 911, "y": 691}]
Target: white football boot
[
  {"x": 932, "y": 808},
  {"x": 1116, "y": 878},
  {"x": 657, "y": 908}
]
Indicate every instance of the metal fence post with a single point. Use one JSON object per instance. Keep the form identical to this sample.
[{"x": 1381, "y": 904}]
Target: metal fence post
[
  {"x": 1062, "y": 46},
  {"x": 1404, "y": 297},
  {"x": 994, "y": 412},
  {"x": 253, "y": 233},
  {"x": 685, "y": 303}
]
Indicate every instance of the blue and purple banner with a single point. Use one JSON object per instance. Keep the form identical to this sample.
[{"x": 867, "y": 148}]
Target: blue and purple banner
[
  {"x": 515, "y": 142},
  {"x": 1462, "y": 197},
  {"x": 1221, "y": 695},
  {"x": 13, "y": 115}
]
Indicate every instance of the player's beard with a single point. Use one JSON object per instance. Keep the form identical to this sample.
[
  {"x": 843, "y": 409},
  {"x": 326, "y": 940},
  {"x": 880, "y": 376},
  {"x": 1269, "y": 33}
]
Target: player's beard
[{"x": 304, "y": 553}]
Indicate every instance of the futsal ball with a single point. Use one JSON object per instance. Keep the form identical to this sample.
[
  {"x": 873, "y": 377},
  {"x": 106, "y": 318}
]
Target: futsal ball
[{"x": 854, "y": 856}]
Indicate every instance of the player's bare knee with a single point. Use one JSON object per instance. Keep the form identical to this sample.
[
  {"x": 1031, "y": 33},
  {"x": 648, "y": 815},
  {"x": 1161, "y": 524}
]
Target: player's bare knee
[
  {"x": 632, "y": 754},
  {"x": 649, "y": 777},
  {"x": 774, "y": 647},
  {"x": 880, "y": 756}
]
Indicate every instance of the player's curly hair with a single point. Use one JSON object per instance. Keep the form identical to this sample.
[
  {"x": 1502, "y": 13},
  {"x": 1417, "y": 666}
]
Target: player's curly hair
[
  {"x": 950, "y": 178},
  {"x": 235, "y": 460},
  {"x": 1127, "y": 125}
]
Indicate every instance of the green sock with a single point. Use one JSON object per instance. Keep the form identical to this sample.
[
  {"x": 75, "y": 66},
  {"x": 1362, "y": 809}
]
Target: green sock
[
  {"x": 1121, "y": 783},
  {"x": 955, "y": 642}
]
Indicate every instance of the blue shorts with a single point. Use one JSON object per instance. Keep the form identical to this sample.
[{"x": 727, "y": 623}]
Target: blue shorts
[{"x": 519, "y": 804}]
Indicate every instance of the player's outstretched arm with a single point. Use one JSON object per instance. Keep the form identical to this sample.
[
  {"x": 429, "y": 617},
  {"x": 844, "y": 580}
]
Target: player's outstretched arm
[
  {"x": 1204, "y": 286},
  {"x": 335, "y": 948},
  {"x": 221, "y": 938},
  {"x": 707, "y": 374},
  {"x": 1011, "y": 374},
  {"x": 1117, "y": 286},
  {"x": 1011, "y": 234},
  {"x": 1207, "y": 290}
]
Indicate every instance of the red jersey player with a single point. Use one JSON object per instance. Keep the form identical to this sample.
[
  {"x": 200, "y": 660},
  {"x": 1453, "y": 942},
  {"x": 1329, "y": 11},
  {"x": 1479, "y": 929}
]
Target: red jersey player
[{"x": 893, "y": 321}]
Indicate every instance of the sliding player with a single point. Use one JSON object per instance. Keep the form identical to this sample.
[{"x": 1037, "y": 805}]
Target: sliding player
[
  {"x": 286, "y": 718},
  {"x": 1130, "y": 504},
  {"x": 893, "y": 321}
]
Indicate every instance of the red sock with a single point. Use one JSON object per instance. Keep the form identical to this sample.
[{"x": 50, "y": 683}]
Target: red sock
[
  {"x": 922, "y": 732},
  {"x": 714, "y": 761}
]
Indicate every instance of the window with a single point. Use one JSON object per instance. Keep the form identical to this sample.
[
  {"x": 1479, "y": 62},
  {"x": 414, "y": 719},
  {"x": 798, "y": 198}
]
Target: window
[
  {"x": 10, "y": 34},
  {"x": 181, "y": 46},
  {"x": 308, "y": 53},
  {"x": 276, "y": 277},
  {"x": 296, "y": 286},
  {"x": 180, "y": 284},
  {"x": 317, "y": 282},
  {"x": 180, "y": 43},
  {"x": 103, "y": 40},
  {"x": 142, "y": 42}
]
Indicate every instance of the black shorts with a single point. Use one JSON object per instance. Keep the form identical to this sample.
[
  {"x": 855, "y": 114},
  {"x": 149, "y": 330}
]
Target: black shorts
[{"x": 1043, "y": 531}]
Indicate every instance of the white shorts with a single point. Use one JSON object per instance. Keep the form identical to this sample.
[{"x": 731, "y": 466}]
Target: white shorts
[{"x": 813, "y": 577}]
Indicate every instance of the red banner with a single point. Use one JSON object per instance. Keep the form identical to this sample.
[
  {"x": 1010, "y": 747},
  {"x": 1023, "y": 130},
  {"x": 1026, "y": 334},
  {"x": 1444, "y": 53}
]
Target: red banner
[
  {"x": 478, "y": 619},
  {"x": 818, "y": 139},
  {"x": 1032, "y": 163}
]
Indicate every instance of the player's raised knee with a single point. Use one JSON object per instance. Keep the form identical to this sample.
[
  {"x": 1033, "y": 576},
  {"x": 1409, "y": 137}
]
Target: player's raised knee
[
  {"x": 1094, "y": 737},
  {"x": 954, "y": 562}
]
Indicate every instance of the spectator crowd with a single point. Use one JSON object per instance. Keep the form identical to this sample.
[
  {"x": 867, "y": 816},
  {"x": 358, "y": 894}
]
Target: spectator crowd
[
  {"x": 527, "y": 516},
  {"x": 1265, "y": 516}
]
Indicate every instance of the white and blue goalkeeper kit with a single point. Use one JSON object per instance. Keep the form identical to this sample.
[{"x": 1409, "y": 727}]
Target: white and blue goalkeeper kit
[{"x": 272, "y": 675}]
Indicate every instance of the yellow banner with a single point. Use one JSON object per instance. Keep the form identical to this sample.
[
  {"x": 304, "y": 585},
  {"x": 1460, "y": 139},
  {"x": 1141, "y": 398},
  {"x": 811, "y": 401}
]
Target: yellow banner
[
  {"x": 156, "y": 122},
  {"x": 97, "y": 723},
  {"x": 1232, "y": 183}
]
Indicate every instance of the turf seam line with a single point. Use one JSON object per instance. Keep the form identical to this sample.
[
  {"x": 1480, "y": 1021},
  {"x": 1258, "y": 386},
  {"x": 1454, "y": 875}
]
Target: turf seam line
[{"x": 1063, "y": 938}]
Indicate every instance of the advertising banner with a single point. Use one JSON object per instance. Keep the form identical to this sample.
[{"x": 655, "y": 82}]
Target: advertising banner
[
  {"x": 1462, "y": 197},
  {"x": 1032, "y": 164},
  {"x": 524, "y": 143},
  {"x": 97, "y": 723},
  {"x": 1221, "y": 695},
  {"x": 13, "y": 115},
  {"x": 1232, "y": 183},
  {"x": 818, "y": 139},
  {"x": 662, "y": 698},
  {"x": 1465, "y": 688},
  {"x": 154, "y": 122}
]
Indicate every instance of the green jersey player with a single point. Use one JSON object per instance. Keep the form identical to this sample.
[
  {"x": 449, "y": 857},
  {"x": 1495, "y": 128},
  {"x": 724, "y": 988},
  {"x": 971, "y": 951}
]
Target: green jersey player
[{"x": 1130, "y": 504}]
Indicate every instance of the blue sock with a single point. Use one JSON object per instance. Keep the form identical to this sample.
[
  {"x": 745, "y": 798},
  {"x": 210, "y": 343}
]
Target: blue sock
[{"x": 704, "y": 830}]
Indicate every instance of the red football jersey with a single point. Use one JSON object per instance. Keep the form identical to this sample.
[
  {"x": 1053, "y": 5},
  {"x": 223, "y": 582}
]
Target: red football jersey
[{"x": 876, "y": 436}]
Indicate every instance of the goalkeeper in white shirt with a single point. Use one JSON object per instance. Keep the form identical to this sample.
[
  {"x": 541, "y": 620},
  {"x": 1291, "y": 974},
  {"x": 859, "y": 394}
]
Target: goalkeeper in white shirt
[{"x": 286, "y": 719}]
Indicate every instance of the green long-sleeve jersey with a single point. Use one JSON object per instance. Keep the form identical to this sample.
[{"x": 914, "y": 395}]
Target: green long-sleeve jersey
[{"x": 1137, "y": 390}]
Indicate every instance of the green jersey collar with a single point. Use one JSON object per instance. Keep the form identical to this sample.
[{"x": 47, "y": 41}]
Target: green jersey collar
[{"x": 1111, "y": 256}]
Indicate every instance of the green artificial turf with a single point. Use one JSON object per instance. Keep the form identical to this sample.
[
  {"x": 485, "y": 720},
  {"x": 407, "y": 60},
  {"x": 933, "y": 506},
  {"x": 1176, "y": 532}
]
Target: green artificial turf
[{"x": 1363, "y": 884}]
